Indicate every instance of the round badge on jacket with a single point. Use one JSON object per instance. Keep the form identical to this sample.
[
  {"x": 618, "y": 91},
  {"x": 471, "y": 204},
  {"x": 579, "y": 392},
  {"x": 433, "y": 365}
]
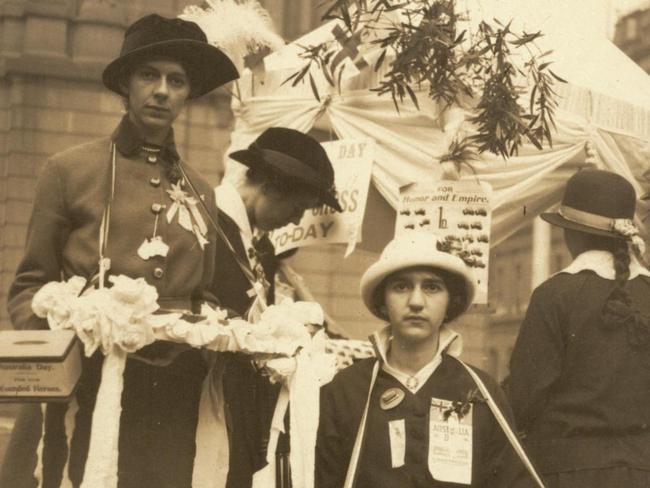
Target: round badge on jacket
[{"x": 391, "y": 398}]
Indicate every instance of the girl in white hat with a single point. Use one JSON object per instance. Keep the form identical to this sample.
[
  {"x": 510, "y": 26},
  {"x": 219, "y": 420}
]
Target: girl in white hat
[{"x": 413, "y": 417}]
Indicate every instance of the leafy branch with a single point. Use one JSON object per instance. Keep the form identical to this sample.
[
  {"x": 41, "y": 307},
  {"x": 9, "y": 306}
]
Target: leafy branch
[
  {"x": 426, "y": 48},
  {"x": 461, "y": 152},
  {"x": 503, "y": 122}
]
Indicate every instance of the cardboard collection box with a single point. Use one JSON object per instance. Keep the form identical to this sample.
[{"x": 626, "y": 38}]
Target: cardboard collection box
[{"x": 38, "y": 365}]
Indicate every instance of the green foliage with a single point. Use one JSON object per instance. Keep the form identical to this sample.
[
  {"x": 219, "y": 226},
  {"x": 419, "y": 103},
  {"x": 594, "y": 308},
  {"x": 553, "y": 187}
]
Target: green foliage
[{"x": 427, "y": 49}]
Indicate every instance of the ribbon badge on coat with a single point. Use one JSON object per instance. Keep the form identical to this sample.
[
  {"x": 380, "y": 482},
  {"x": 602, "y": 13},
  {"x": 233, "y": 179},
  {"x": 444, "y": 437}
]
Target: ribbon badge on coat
[{"x": 189, "y": 216}]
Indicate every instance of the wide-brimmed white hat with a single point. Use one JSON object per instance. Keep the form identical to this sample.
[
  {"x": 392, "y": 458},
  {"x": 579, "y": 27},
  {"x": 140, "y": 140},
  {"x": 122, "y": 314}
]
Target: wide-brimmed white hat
[{"x": 413, "y": 249}]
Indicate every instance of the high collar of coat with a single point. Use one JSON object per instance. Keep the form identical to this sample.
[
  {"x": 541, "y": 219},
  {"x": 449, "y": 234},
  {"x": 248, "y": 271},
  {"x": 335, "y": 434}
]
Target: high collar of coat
[{"x": 129, "y": 142}]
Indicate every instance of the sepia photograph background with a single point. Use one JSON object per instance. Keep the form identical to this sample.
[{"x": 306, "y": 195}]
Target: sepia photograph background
[{"x": 52, "y": 53}]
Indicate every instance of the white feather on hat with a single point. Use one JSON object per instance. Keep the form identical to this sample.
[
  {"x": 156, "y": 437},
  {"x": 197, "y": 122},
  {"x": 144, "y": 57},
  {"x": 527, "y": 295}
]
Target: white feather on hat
[{"x": 237, "y": 28}]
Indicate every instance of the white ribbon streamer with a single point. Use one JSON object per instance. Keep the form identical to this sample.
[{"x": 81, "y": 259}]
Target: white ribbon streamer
[
  {"x": 303, "y": 376},
  {"x": 212, "y": 454},
  {"x": 304, "y": 395},
  {"x": 101, "y": 463},
  {"x": 198, "y": 218}
]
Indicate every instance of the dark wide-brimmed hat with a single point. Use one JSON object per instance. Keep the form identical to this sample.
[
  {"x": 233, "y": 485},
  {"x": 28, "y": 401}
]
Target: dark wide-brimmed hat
[
  {"x": 594, "y": 200},
  {"x": 207, "y": 67},
  {"x": 295, "y": 157}
]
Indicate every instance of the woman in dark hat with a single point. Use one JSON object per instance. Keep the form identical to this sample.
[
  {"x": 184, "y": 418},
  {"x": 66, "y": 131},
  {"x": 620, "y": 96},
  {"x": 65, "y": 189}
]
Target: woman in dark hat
[
  {"x": 580, "y": 370},
  {"x": 288, "y": 173},
  {"x": 119, "y": 200}
]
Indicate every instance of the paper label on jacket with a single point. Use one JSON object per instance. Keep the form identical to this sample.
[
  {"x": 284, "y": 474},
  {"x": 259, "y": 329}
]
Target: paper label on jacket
[
  {"x": 450, "y": 443},
  {"x": 397, "y": 434}
]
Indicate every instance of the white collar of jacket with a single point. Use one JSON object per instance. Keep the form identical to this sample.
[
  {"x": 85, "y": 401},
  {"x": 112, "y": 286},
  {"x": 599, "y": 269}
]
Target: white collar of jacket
[
  {"x": 449, "y": 342},
  {"x": 602, "y": 263},
  {"x": 230, "y": 202}
]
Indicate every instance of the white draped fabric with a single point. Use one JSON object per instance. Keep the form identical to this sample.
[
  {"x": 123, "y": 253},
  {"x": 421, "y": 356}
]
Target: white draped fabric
[{"x": 409, "y": 146}]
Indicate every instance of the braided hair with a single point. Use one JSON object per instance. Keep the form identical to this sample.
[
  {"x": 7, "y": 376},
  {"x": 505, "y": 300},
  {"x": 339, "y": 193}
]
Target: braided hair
[
  {"x": 618, "y": 310},
  {"x": 618, "y": 305}
]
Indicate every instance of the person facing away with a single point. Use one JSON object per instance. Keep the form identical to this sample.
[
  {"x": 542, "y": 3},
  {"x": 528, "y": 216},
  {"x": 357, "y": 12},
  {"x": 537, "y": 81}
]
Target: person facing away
[
  {"x": 580, "y": 370},
  {"x": 413, "y": 416},
  {"x": 288, "y": 173},
  {"x": 136, "y": 176}
]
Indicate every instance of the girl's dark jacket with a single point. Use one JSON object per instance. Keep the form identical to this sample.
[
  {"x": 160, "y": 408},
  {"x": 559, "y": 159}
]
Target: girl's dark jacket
[
  {"x": 342, "y": 404},
  {"x": 580, "y": 386}
]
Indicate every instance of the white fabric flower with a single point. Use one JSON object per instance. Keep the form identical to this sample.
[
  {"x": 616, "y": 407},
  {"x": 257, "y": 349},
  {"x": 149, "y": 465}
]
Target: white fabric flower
[
  {"x": 55, "y": 300},
  {"x": 138, "y": 296},
  {"x": 626, "y": 228},
  {"x": 214, "y": 315},
  {"x": 85, "y": 321},
  {"x": 287, "y": 321},
  {"x": 133, "y": 337},
  {"x": 280, "y": 368}
]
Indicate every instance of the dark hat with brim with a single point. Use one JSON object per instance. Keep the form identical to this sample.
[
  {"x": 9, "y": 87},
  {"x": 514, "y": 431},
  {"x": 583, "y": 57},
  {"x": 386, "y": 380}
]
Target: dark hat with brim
[
  {"x": 152, "y": 36},
  {"x": 593, "y": 201},
  {"x": 294, "y": 157}
]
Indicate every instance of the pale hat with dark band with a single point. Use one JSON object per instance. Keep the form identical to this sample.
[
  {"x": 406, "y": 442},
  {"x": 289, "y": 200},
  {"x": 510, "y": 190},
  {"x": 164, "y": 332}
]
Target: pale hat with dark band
[{"x": 415, "y": 249}]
